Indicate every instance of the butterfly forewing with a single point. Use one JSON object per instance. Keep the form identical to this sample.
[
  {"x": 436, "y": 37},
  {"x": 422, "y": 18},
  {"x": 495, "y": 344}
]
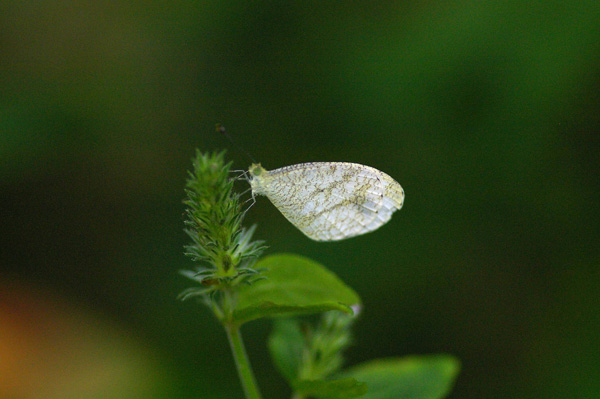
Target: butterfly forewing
[{"x": 332, "y": 200}]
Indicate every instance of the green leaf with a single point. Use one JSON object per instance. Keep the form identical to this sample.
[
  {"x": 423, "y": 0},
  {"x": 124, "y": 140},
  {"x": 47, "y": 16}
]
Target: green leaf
[
  {"x": 332, "y": 389},
  {"x": 293, "y": 285},
  {"x": 414, "y": 377},
  {"x": 286, "y": 344}
]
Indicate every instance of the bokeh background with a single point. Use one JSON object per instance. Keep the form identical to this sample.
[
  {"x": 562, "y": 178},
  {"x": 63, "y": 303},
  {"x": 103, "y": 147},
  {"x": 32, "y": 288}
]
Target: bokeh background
[{"x": 488, "y": 114}]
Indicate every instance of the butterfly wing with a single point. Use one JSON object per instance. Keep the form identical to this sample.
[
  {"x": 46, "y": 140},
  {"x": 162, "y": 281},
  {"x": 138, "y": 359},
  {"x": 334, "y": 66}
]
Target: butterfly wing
[{"x": 331, "y": 201}]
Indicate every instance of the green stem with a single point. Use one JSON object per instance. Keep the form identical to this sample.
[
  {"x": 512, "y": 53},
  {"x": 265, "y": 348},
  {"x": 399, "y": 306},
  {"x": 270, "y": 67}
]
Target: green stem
[{"x": 241, "y": 361}]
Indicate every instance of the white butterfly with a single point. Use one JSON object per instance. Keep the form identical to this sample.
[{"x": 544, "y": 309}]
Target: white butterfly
[{"x": 329, "y": 201}]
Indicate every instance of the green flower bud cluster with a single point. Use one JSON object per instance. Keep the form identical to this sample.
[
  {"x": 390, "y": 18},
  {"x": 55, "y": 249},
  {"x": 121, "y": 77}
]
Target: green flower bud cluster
[{"x": 222, "y": 249}]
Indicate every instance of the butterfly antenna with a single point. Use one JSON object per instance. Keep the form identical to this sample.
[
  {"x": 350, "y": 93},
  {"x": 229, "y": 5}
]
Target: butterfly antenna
[{"x": 221, "y": 129}]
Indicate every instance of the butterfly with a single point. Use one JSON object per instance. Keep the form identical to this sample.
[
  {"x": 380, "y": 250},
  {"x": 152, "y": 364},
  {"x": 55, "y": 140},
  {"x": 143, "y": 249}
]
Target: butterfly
[{"x": 329, "y": 201}]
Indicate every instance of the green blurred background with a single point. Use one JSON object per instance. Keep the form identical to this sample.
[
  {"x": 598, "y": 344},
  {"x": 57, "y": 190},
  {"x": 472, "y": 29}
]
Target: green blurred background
[{"x": 488, "y": 114}]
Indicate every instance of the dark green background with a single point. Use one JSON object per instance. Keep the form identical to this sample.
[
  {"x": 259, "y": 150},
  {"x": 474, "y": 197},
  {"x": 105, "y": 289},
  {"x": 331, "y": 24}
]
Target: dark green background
[{"x": 487, "y": 113}]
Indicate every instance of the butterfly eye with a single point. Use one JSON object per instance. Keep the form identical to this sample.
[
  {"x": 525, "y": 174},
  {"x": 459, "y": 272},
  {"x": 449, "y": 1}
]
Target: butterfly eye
[{"x": 256, "y": 170}]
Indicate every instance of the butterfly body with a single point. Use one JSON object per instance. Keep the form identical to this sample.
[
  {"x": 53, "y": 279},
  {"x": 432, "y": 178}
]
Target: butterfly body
[{"x": 330, "y": 201}]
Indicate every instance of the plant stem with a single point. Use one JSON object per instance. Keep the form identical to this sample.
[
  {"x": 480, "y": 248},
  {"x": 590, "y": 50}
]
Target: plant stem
[{"x": 241, "y": 361}]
